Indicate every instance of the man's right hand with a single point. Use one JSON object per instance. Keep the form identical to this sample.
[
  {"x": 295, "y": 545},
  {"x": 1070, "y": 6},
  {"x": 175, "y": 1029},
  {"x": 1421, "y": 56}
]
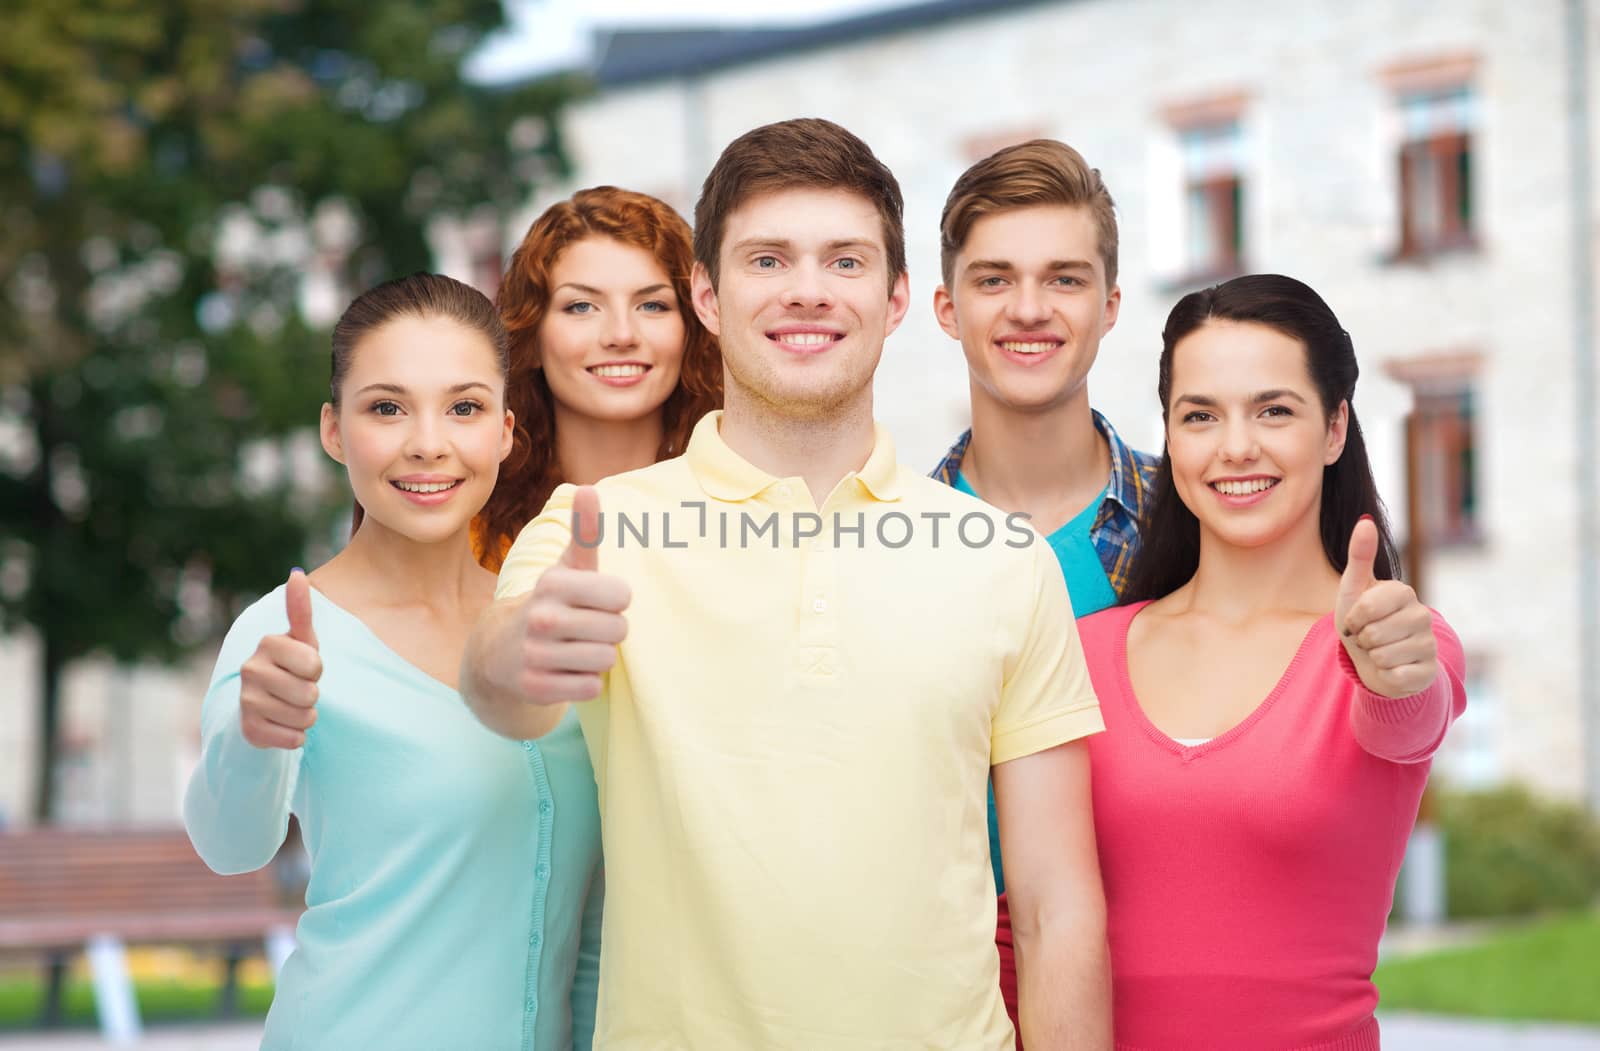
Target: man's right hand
[
  {"x": 573, "y": 620},
  {"x": 278, "y": 684}
]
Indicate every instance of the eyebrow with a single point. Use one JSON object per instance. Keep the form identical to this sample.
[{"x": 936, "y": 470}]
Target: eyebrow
[
  {"x": 1005, "y": 266},
  {"x": 590, "y": 290},
  {"x": 395, "y": 388},
  {"x": 831, "y": 246},
  {"x": 1258, "y": 398}
]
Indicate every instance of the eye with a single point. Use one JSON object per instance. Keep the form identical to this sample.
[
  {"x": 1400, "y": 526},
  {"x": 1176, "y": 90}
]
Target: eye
[
  {"x": 656, "y": 306},
  {"x": 1071, "y": 281},
  {"x": 385, "y": 408},
  {"x": 766, "y": 262},
  {"x": 991, "y": 282},
  {"x": 1277, "y": 410},
  {"x": 466, "y": 407},
  {"x": 1197, "y": 416},
  {"x": 580, "y": 306},
  {"x": 848, "y": 263}
]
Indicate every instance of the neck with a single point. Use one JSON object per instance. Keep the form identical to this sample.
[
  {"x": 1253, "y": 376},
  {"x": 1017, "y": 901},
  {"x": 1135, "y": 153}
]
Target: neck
[
  {"x": 1239, "y": 584},
  {"x": 588, "y": 449},
  {"x": 1050, "y": 463},
  {"x": 820, "y": 450},
  {"x": 392, "y": 570}
]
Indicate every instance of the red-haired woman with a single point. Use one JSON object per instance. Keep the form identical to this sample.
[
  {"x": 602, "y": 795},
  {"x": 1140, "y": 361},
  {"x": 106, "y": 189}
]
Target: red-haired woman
[{"x": 610, "y": 368}]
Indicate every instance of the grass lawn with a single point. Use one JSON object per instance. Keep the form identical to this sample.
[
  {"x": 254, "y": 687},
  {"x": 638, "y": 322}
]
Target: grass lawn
[
  {"x": 1548, "y": 971},
  {"x": 160, "y": 999}
]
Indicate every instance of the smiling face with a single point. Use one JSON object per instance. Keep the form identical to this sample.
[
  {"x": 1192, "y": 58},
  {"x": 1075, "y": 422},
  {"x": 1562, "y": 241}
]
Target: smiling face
[
  {"x": 421, "y": 426},
  {"x": 1028, "y": 301},
  {"x": 1247, "y": 435},
  {"x": 803, "y": 303},
  {"x": 611, "y": 342}
]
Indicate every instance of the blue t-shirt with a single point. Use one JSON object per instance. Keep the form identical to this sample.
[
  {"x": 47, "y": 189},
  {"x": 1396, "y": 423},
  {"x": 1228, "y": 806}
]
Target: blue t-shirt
[{"x": 1090, "y": 592}]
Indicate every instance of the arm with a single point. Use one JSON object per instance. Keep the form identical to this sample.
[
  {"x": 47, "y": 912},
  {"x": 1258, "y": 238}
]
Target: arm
[
  {"x": 586, "y": 979},
  {"x": 1410, "y": 729},
  {"x": 1405, "y": 662},
  {"x": 1058, "y": 910},
  {"x": 491, "y": 667},
  {"x": 552, "y": 633},
  {"x": 253, "y": 727}
]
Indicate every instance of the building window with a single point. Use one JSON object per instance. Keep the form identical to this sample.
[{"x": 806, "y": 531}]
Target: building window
[
  {"x": 1435, "y": 177},
  {"x": 1442, "y": 463},
  {"x": 1213, "y": 199}
]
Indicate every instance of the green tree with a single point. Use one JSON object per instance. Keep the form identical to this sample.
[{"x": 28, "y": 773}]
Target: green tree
[{"x": 170, "y": 170}]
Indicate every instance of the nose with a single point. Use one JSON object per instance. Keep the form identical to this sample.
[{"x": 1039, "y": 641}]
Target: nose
[
  {"x": 1026, "y": 305},
  {"x": 807, "y": 288},
  {"x": 425, "y": 439},
  {"x": 1240, "y": 443},
  {"x": 620, "y": 331}
]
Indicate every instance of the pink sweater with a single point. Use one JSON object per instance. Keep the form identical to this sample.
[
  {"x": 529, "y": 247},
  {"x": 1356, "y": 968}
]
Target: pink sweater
[{"x": 1248, "y": 878}]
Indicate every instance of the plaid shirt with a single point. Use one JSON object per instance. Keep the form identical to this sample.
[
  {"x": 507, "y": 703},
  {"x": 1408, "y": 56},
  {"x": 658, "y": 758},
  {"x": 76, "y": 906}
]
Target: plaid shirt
[{"x": 1115, "y": 533}]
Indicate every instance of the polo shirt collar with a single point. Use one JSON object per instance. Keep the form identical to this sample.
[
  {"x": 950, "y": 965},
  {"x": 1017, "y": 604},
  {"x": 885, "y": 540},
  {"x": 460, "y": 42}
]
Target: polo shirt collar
[{"x": 725, "y": 475}]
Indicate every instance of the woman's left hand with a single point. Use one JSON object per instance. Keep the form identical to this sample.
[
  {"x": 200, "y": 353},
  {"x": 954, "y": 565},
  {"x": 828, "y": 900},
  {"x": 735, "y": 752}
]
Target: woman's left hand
[{"x": 1386, "y": 630}]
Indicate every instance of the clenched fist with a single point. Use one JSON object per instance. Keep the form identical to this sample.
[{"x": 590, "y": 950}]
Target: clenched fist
[
  {"x": 1385, "y": 629},
  {"x": 278, "y": 684},
  {"x": 572, "y": 621}
]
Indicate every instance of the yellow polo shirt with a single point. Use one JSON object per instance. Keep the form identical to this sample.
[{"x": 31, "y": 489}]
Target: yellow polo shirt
[{"x": 792, "y": 749}]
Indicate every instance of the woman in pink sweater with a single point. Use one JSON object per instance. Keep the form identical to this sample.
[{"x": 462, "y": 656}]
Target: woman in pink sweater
[{"x": 1272, "y": 696}]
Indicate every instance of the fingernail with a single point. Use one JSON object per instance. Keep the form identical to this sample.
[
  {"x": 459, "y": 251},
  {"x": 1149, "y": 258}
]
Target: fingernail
[
  {"x": 1366, "y": 518},
  {"x": 296, "y": 569}
]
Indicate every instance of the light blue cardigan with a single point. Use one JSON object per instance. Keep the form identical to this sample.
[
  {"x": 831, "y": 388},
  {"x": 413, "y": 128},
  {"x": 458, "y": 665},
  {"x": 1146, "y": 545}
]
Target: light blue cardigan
[{"x": 456, "y": 886}]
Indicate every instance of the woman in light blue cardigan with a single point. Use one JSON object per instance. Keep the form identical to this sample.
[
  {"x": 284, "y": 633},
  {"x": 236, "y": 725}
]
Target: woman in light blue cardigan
[{"x": 456, "y": 886}]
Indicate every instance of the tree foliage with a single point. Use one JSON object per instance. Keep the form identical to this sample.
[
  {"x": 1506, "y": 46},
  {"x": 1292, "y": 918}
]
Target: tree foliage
[{"x": 179, "y": 181}]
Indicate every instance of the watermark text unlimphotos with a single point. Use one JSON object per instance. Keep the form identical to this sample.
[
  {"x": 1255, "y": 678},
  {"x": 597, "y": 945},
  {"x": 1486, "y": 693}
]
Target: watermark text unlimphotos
[{"x": 893, "y": 530}]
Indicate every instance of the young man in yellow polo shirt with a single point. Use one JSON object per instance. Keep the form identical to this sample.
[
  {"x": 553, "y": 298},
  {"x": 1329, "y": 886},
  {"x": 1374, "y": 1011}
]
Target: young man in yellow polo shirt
[{"x": 797, "y": 662}]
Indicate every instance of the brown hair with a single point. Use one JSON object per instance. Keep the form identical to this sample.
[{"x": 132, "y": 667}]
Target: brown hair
[
  {"x": 420, "y": 296},
  {"x": 806, "y": 153},
  {"x": 532, "y": 471},
  {"x": 1041, "y": 171}
]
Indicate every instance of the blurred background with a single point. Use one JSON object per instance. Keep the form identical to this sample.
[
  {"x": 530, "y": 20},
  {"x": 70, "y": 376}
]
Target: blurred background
[{"x": 191, "y": 190}]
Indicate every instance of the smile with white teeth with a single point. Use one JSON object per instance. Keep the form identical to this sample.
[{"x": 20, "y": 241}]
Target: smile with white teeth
[
  {"x": 426, "y": 487},
  {"x": 1254, "y": 485},
  {"x": 806, "y": 339},
  {"x": 1028, "y": 348},
  {"x": 619, "y": 370}
]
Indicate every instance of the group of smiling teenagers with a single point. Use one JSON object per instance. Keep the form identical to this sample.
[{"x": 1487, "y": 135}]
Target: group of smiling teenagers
[{"x": 897, "y": 773}]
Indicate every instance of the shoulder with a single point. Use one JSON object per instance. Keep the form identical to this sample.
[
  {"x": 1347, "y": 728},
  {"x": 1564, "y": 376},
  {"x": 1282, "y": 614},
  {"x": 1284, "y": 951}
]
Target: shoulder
[{"x": 1109, "y": 624}]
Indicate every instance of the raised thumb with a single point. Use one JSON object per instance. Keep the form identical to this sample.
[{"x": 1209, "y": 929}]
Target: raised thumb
[
  {"x": 583, "y": 550},
  {"x": 297, "y": 599},
  {"x": 1358, "y": 575}
]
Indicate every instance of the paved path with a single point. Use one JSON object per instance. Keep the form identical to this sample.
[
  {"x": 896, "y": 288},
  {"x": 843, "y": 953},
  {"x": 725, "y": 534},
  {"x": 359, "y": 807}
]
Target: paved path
[{"x": 1400, "y": 1033}]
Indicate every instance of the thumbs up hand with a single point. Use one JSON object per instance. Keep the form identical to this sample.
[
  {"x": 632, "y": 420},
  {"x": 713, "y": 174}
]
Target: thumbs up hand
[
  {"x": 278, "y": 684},
  {"x": 573, "y": 620},
  {"x": 1385, "y": 629}
]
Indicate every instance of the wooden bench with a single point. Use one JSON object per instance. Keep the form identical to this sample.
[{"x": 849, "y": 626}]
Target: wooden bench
[{"x": 70, "y": 890}]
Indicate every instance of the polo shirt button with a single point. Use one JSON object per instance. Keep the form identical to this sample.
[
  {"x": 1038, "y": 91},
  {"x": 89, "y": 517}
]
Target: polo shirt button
[
  {"x": 528, "y": 746},
  {"x": 545, "y": 807},
  {"x": 541, "y": 872},
  {"x": 532, "y": 1003},
  {"x": 534, "y": 939},
  {"x": 821, "y": 605},
  {"x": 784, "y": 490}
]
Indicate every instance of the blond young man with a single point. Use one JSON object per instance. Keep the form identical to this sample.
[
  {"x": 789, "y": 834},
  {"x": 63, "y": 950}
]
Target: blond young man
[
  {"x": 797, "y": 663},
  {"x": 1028, "y": 247}
]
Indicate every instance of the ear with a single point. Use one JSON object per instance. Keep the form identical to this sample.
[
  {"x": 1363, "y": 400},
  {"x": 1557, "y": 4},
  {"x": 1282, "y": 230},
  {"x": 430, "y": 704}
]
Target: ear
[
  {"x": 1338, "y": 431},
  {"x": 944, "y": 310},
  {"x": 507, "y": 435},
  {"x": 1113, "y": 310},
  {"x": 899, "y": 301},
  {"x": 704, "y": 295},
  {"x": 328, "y": 427}
]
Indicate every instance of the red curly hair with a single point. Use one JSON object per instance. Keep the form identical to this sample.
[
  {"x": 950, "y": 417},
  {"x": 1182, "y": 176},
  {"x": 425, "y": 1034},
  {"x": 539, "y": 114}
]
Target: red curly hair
[{"x": 532, "y": 470}]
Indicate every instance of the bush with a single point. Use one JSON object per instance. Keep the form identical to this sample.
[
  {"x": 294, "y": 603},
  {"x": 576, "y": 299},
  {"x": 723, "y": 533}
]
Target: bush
[{"x": 1509, "y": 852}]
